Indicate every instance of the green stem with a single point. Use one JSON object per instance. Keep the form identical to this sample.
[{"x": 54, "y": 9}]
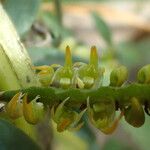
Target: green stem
[
  {"x": 58, "y": 10},
  {"x": 49, "y": 96},
  {"x": 15, "y": 65},
  {"x": 16, "y": 68}
]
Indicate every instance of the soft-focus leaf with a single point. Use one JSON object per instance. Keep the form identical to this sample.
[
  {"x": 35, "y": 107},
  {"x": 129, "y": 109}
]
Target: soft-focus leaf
[
  {"x": 47, "y": 56},
  {"x": 115, "y": 144},
  {"x": 22, "y": 13},
  {"x": 133, "y": 54},
  {"x": 68, "y": 141},
  {"x": 12, "y": 138},
  {"x": 88, "y": 135},
  {"x": 102, "y": 28},
  {"x": 57, "y": 31},
  {"x": 140, "y": 135},
  {"x": 128, "y": 55}
]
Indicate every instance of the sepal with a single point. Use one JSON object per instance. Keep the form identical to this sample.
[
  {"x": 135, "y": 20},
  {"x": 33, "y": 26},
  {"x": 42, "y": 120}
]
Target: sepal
[
  {"x": 143, "y": 75},
  {"x": 118, "y": 76},
  {"x": 14, "y": 107},
  {"x": 66, "y": 118},
  {"x": 134, "y": 113},
  {"x": 33, "y": 111}
]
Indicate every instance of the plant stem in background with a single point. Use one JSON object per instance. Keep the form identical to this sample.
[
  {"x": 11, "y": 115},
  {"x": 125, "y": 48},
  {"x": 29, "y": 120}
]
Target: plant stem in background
[{"x": 58, "y": 10}]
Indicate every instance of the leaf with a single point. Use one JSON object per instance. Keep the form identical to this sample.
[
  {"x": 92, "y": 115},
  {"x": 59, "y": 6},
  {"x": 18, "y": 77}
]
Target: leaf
[
  {"x": 115, "y": 144},
  {"x": 68, "y": 141},
  {"x": 88, "y": 135},
  {"x": 102, "y": 28},
  {"x": 140, "y": 135},
  {"x": 128, "y": 55},
  {"x": 47, "y": 56},
  {"x": 12, "y": 138},
  {"x": 57, "y": 31},
  {"x": 22, "y": 13}
]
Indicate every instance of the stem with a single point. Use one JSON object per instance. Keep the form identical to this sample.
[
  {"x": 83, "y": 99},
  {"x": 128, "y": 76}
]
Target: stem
[
  {"x": 49, "y": 96},
  {"x": 58, "y": 9},
  {"x": 16, "y": 68},
  {"x": 15, "y": 65}
]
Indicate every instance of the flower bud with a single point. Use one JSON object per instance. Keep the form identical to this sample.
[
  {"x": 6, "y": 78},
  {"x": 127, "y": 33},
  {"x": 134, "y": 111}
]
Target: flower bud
[
  {"x": 63, "y": 77},
  {"x": 66, "y": 119},
  {"x": 118, "y": 76},
  {"x": 134, "y": 114},
  {"x": 143, "y": 75},
  {"x": 14, "y": 107},
  {"x": 102, "y": 116},
  {"x": 91, "y": 74},
  {"x": 45, "y": 75},
  {"x": 33, "y": 111}
]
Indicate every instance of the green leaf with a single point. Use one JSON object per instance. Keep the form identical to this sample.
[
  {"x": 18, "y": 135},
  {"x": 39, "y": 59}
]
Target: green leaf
[
  {"x": 57, "y": 31},
  {"x": 47, "y": 56},
  {"x": 12, "y": 138},
  {"x": 102, "y": 28},
  {"x": 115, "y": 144},
  {"x": 140, "y": 135},
  {"x": 22, "y": 13}
]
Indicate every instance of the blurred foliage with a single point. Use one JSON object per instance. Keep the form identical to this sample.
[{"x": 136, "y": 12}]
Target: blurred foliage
[
  {"x": 47, "y": 56},
  {"x": 115, "y": 144},
  {"x": 134, "y": 53},
  {"x": 22, "y": 13},
  {"x": 103, "y": 29},
  {"x": 12, "y": 138},
  {"x": 58, "y": 32},
  {"x": 139, "y": 135}
]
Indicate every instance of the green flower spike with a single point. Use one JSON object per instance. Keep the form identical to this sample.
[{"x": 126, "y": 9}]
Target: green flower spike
[
  {"x": 45, "y": 75},
  {"x": 118, "y": 76},
  {"x": 91, "y": 74},
  {"x": 66, "y": 119},
  {"x": 63, "y": 76},
  {"x": 102, "y": 116},
  {"x": 134, "y": 113},
  {"x": 33, "y": 111},
  {"x": 144, "y": 75},
  {"x": 14, "y": 107}
]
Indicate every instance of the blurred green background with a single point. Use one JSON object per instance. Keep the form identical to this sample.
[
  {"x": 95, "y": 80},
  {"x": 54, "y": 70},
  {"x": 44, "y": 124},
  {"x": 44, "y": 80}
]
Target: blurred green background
[{"x": 120, "y": 30}]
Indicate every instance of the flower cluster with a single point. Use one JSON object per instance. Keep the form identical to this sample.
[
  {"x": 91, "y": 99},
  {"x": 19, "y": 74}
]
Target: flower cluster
[
  {"x": 78, "y": 76},
  {"x": 18, "y": 106}
]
